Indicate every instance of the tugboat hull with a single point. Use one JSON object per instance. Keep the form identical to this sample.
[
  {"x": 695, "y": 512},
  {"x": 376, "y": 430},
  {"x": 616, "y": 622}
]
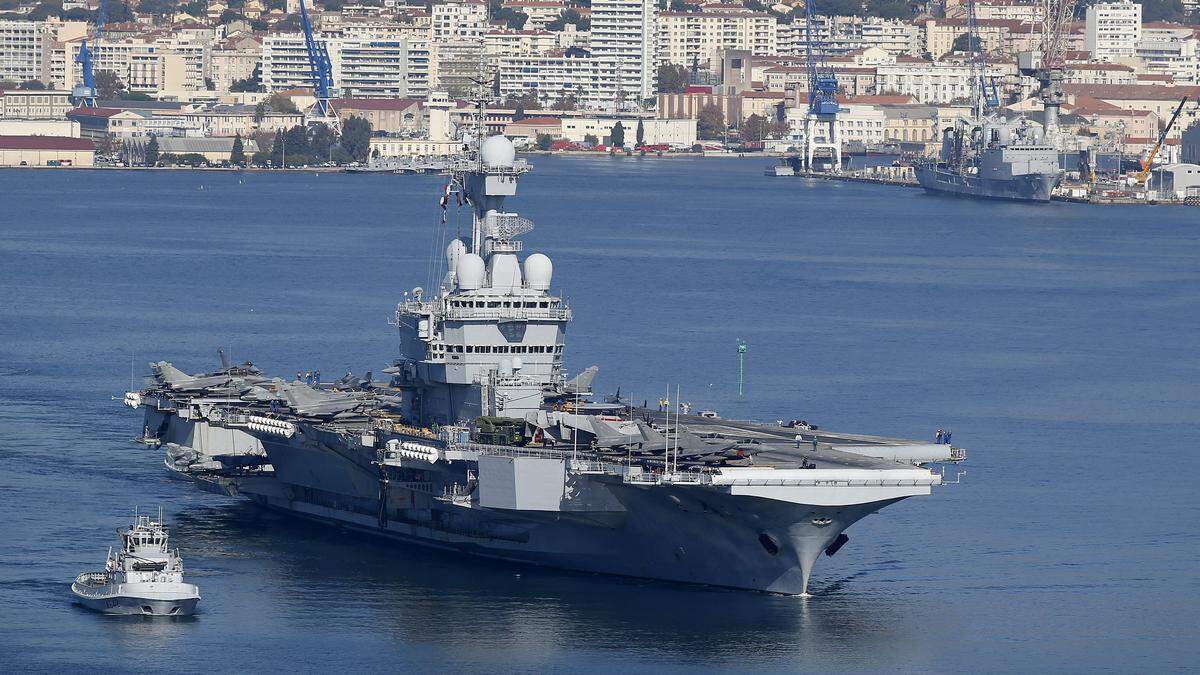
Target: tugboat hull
[
  {"x": 129, "y": 606},
  {"x": 147, "y": 599}
]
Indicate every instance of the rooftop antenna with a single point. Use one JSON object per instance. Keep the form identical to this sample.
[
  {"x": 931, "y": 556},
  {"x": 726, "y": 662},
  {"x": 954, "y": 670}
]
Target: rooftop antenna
[{"x": 741, "y": 349}]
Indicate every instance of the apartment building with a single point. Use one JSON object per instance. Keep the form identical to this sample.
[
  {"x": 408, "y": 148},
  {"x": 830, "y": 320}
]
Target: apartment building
[
  {"x": 233, "y": 60},
  {"x": 994, "y": 34},
  {"x": 623, "y": 42},
  {"x": 361, "y": 66},
  {"x": 457, "y": 20},
  {"x": 554, "y": 75},
  {"x": 21, "y": 46},
  {"x": 688, "y": 37},
  {"x": 1172, "y": 51},
  {"x": 930, "y": 82},
  {"x": 844, "y": 34},
  {"x": 1113, "y": 29}
]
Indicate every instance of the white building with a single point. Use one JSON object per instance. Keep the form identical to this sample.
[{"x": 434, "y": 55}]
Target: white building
[
  {"x": 930, "y": 82},
  {"x": 458, "y": 20},
  {"x": 234, "y": 60},
  {"x": 361, "y": 66},
  {"x": 841, "y": 34},
  {"x": 685, "y": 37},
  {"x": 866, "y": 124},
  {"x": 500, "y": 42},
  {"x": 623, "y": 37},
  {"x": 21, "y": 50},
  {"x": 674, "y": 132},
  {"x": 1170, "y": 51},
  {"x": 554, "y": 75},
  {"x": 1113, "y": 29}
]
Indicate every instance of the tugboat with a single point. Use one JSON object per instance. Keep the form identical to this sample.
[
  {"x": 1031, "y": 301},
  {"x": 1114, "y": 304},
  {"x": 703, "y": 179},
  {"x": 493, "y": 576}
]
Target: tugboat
[{"x": 143, "y": 577}]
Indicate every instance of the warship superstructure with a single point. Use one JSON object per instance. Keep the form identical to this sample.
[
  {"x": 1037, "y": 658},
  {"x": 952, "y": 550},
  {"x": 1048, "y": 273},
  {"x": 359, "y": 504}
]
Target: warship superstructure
[{"x": 477, "y": 441}]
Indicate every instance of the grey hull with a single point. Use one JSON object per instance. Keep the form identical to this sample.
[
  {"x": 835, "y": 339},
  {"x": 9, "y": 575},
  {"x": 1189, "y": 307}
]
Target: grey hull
[
  {"x": 1028, "y": 188},
  {"x": 679, "y": 534},
  {"x": 126, "y": 605}
]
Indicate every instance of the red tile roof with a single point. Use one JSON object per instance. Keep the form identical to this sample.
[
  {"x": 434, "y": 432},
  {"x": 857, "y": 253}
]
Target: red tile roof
[
  {"x": 45, "y": 143},
  {"x": 1133, "y": 92},
  {"x": 93, "y": 112},
  {"x": 376, "y": 103},
  {"x": 538, "y": 121}
]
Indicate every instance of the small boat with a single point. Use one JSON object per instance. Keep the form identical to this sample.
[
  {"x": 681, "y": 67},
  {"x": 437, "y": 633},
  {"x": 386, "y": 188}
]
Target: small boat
[{"x": 143, "y": 577}]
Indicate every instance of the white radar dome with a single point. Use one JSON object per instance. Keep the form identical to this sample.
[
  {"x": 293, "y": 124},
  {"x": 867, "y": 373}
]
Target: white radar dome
[
  {"x": 470, "y": 272},
  {"x": 538, "y": 272},
  {"x": 454, "y": 251},
  {"x": 498, "y": 151}
]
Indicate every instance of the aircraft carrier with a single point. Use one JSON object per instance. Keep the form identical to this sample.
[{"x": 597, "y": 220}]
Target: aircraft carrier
[{"x": 477, "y": 442}]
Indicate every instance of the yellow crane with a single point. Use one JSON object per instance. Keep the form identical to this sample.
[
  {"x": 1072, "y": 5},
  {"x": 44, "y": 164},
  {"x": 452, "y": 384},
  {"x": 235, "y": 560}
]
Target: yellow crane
[{"x": 1149, "y": 161}]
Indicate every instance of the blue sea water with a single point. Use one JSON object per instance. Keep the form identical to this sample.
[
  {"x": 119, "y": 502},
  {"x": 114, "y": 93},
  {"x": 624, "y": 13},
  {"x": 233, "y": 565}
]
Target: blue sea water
[{"x": 1059, "y": 342}]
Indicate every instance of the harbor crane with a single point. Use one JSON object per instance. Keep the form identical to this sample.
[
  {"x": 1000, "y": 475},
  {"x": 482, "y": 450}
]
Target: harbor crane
[
  {"x": 321, "y": 70},
  {"x": 1046, "y": 64},
  {"x": 988, "y": 99},
  {"x": 822, "y": 101},
  {"x": 1148, "y": 163},
  {"x": 84, "y": 95}
]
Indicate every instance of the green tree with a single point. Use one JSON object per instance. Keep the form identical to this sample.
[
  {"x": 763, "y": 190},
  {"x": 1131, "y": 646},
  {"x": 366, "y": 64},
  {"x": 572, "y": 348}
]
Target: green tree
[
  {"x": 641, "y": 134},
  {"x": 108, "y": 85},
  {"x": 590, "y": 139},
  {"x": 1163, "y": 10},
  {"x": 710, "y": 122},
  {"x": 672, "y": 79},
  {"x": 755, "y": 129},
  {"x": 237, "y": 156},
  {"x": 281, "y": 103},
  {"x": 298, "y": 150},
  {"x": 277, "y": 150},
  {"x": 519, "y": 113},
  {"x": 321, "y": 141},
  {"x": 961, "y": 43},
  {"x": 569, "y": 16},
  {"x": 156, "y": 7},
  {"x": 618, "y": 135},
  {"x": 889, "y": 9},
  {"x": 510, "y": 17},
  {"x": 260, "y": 112},
  {"x": 838, "y": 7},
  {"x": 544, "y": 141},
  {"x": 252, "y": 83},
  {"x": 152, "y": 152},
  {"x": 567, "y": 102},
  {"x": 29, "y": 85},
  {"x": 356, "y": 138}
]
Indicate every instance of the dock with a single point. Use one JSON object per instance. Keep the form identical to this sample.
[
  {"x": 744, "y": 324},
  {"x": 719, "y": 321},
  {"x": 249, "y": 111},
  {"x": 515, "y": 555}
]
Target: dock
[{"x": 905, "y": 176}]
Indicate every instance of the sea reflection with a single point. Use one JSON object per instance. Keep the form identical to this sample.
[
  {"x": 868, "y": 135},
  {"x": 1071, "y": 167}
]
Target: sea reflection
[{"x": 420, "y": 596}]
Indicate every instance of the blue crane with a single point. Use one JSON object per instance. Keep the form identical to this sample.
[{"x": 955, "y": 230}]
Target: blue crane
[
  {"x": 85, "y": 94},
  {"x": 322, "y": 72},
  {"x": 988, "y": 99},
  {"x": 822, "y": 83}
]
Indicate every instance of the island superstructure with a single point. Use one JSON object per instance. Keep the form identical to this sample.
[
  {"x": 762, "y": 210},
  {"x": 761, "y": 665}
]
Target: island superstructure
[{"x": 479, "y": 443}]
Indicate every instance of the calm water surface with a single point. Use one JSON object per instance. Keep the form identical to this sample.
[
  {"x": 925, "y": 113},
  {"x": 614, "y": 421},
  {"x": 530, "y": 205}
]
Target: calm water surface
[{"x": 1058, "y": 342}]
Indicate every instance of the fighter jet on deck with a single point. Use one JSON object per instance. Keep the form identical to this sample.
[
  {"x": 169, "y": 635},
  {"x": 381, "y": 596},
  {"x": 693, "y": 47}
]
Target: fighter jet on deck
[{"x": 311, "y": 402}]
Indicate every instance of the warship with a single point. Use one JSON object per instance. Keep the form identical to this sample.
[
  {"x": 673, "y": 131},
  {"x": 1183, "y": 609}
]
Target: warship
[
  {"x": 477, "y": 442},
  {"x": 994, "y": 158}
]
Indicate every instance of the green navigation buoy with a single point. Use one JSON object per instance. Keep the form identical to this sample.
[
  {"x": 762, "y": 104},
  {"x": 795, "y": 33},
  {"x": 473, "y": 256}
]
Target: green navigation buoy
[{"x": 741, "y": 346}]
